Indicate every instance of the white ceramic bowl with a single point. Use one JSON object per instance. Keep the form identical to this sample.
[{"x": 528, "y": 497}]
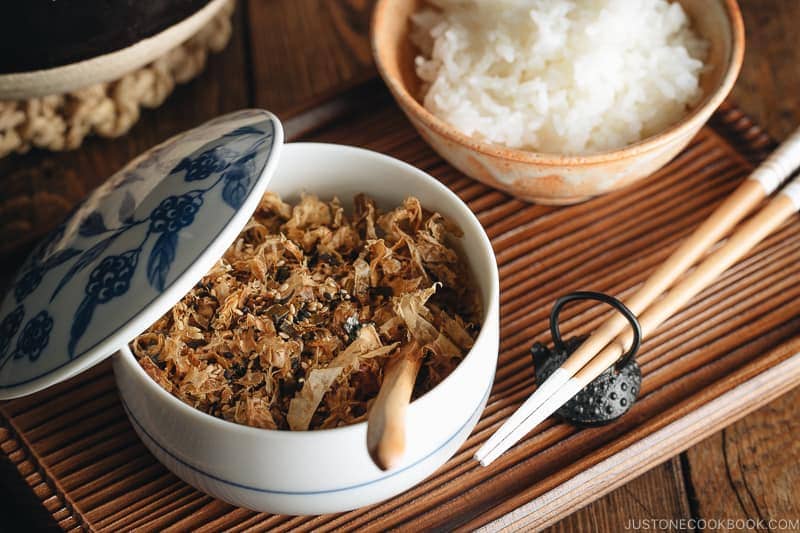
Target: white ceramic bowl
[{"x": 327, "y": 471}]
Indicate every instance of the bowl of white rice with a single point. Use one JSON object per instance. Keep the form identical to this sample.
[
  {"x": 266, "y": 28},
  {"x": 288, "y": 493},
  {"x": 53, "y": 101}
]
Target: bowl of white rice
[{"x": 558, "y": 101}]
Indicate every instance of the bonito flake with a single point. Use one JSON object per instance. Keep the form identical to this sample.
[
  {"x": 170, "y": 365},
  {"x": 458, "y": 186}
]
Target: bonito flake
[{"x": 293, "y": 327}]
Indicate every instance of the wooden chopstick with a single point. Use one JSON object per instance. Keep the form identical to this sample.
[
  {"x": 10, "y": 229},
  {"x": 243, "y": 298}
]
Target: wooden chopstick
[
  {"x": 775, "y": 213},
  {"x": 761, "y": 183}
]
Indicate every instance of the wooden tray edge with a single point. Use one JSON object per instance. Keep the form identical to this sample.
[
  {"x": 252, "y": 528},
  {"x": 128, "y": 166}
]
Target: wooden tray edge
[
  {"x": 735, "y": 126},
  {"x": 703, "y": 419}
]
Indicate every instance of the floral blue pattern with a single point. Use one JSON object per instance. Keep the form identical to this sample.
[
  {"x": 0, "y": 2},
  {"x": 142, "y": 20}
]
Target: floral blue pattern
[
  {"x": 237, "y": 181},
  {"x": 202, "y": 166},
  {"x": 9, "y": 327},
  {"x": 126, "y": 224},
  {"x": 40, "y": 262},
  {"x": 109, "y": 279},
  {"x": 175, "y": 213},
  {"x": 86, "y": 258},
  {"x": 34, "y": 337},
  {"x": 28, "y": 283},
  {"x": 92, "y": 225},
  {"x": 112, "y": 277}
]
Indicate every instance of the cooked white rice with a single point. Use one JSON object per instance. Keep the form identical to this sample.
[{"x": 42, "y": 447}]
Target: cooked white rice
[{"x": 558, "y": 76}]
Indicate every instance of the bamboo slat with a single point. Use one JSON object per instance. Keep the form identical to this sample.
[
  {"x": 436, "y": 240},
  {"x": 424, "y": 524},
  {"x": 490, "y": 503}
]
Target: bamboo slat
[{"x": 74, "y": 446}]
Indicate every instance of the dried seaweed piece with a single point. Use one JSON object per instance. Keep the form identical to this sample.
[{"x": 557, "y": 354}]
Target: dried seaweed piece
[{"x": 293, "y": 327}]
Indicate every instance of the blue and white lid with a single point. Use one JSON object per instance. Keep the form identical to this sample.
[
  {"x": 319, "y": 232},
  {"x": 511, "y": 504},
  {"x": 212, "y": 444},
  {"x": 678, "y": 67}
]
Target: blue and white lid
[{"x": 133, "y": 249}]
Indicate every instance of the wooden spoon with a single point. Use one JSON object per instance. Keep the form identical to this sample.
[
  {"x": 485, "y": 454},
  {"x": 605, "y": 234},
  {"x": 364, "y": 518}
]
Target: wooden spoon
[{"x": 386, "y": 426}]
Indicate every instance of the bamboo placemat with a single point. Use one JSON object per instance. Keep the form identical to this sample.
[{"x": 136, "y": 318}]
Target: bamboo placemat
[{"x": 730, "y": 351}]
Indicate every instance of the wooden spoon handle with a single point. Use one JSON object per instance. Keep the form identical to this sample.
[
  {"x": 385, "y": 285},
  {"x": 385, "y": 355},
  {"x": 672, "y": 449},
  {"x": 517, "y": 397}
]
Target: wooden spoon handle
[{"x": 386, "y": 426}]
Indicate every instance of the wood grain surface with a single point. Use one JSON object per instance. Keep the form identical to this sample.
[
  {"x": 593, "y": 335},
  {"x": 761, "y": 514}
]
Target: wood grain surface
[
  {"x": 76, "y": 449},
  {"x": 750, "y": 469},
  {"x": 288, "y": 53}
]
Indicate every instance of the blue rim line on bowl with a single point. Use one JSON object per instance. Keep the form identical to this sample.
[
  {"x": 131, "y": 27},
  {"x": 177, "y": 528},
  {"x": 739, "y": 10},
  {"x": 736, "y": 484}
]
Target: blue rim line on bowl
[{"x": 475, "y": 412}]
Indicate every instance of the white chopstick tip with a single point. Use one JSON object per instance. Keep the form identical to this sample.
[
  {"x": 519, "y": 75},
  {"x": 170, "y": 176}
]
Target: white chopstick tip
[
  {"x": 550, "y": 386},
  {"x": 559, "y": 375},
  {"x": 539, "y": 415}
]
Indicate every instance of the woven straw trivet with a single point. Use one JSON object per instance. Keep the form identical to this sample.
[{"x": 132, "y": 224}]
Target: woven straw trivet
[{"x": 109, "y": 109}]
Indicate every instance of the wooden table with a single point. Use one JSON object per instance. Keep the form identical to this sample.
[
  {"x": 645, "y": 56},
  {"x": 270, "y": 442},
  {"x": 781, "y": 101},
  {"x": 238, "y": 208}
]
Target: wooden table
[{"x": 287, "y": 53}]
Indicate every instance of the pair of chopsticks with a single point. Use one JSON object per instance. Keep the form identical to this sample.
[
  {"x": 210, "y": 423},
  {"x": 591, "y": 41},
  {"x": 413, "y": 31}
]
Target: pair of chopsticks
[{"x": 605, "y": 345}]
